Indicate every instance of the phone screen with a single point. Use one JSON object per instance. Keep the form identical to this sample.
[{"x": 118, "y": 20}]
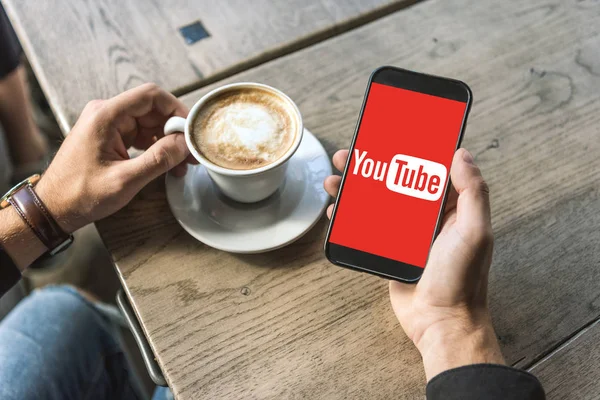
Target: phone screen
[{"x": 399, "y": 168}]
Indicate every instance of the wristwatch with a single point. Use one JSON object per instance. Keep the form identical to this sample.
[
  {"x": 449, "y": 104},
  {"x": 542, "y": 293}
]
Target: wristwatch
[{"x": 34, "y": 213}]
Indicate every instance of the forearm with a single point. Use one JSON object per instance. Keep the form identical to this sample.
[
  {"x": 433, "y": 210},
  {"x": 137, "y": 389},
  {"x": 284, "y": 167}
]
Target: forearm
[{"x": 18, "y": 240}]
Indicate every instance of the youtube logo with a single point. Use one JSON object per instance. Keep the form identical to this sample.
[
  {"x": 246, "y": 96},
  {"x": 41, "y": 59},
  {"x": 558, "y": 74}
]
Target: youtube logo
[{"x": 407, "y": 175}]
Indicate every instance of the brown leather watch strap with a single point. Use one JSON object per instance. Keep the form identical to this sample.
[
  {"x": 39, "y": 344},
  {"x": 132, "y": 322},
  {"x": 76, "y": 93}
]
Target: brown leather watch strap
[{"x": 33, "y": 211}]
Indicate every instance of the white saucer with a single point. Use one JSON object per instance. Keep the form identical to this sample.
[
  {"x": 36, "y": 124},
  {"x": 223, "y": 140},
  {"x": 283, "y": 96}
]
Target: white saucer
[{"x": 277, "y": 221}]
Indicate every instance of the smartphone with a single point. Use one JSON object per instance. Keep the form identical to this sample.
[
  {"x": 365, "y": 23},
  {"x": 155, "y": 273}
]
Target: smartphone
[{"x": 394, "y": 187}]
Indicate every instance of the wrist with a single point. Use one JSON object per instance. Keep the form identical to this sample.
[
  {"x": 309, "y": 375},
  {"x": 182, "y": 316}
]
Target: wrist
[
  {"x": 18, "y": 240},
  {"x": 452, "y": 344},
  {"x": 59, "y": 205}
]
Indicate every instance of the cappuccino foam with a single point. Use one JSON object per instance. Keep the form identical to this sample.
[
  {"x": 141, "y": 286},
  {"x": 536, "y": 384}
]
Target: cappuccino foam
[{"x": 244, "y": 128}]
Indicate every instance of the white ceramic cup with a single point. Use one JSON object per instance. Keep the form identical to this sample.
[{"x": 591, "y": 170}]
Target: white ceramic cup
[{"x": 246, "y": 186}]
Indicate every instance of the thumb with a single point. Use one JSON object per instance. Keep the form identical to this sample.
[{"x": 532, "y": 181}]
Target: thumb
[
  {"x": 401, "y": 295},
  {"x": 159, "y": 158},
  {"x": 473, "y": 206}
]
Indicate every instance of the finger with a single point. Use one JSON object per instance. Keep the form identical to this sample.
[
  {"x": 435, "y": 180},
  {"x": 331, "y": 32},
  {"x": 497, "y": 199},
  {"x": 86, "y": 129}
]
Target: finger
[
  {"x": 339, "y": 159},
  {"x": 126, "y": 108},
  {"x": 152, "y": 124},
  {"x": 153, "y": 119},
  {"x": 451, "y": 200},
  {"x": 473, "y": 205},
  {"x": 449, "y": 215},
  {"x": 161, "y": 157},
  {"x": 141, "y": 100},
  {"x": 329, "y": 211},
  {"x": 179, "y": 170},
  {"x": 191, "y": 160},
  {"x": 401, "y": 295},
  {"x": 332, "y": 185},
  {"x": 144, "y": 139}
]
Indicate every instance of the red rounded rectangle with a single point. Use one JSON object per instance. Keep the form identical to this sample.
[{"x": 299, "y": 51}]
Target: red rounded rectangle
[{"x": 398, "y": 171}]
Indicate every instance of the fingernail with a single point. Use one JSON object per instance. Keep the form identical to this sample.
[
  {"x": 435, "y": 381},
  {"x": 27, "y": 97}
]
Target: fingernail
[{"x": 468, "y": 157}]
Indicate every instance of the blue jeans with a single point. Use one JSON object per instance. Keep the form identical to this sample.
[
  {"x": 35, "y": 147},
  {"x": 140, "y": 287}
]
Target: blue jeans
[{"x": 56, "y": 345}]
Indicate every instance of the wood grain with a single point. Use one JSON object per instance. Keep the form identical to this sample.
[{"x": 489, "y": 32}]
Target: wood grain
[
  {"x": 311, "y": 330},
  {"x": 87, "y": 49},
  {"x": 571, "y": 372}
]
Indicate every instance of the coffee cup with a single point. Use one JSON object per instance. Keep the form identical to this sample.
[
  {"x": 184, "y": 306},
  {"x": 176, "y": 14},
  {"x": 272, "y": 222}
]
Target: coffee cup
[{"x": 244, "y": 134}]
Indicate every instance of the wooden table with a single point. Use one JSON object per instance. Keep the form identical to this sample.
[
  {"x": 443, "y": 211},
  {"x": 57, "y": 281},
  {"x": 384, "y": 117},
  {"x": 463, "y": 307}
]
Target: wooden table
[
  {"x": 287, "y": 324},
  {"x": 85, "y": 49}
]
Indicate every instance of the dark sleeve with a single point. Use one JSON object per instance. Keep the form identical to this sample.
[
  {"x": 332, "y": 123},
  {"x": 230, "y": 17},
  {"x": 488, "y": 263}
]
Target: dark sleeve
[
  {"x": 10, "y": 49},
  {"x": 9, "y": 274},
  {"x": 485, "y": 381}
]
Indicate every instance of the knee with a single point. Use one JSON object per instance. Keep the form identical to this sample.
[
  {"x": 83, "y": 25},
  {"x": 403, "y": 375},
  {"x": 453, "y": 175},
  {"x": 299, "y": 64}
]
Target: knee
[
  {"x": 53, "y": 338},
  {"x": 55, "y": 313}
]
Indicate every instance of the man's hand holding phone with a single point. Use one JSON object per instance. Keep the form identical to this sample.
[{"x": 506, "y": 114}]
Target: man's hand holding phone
[{"x": 446, "y": 313}]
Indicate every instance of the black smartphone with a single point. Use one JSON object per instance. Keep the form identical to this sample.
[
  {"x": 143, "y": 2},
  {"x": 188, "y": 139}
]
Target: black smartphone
[{"x": 396, "y": 180}]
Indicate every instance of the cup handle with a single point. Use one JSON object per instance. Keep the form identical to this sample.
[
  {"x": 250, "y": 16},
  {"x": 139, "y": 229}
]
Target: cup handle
[{"x": 174, "y": 124}]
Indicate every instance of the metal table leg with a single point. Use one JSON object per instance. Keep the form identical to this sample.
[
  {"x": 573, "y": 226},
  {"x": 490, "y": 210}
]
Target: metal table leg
[{"x": 147, "y": 354}]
